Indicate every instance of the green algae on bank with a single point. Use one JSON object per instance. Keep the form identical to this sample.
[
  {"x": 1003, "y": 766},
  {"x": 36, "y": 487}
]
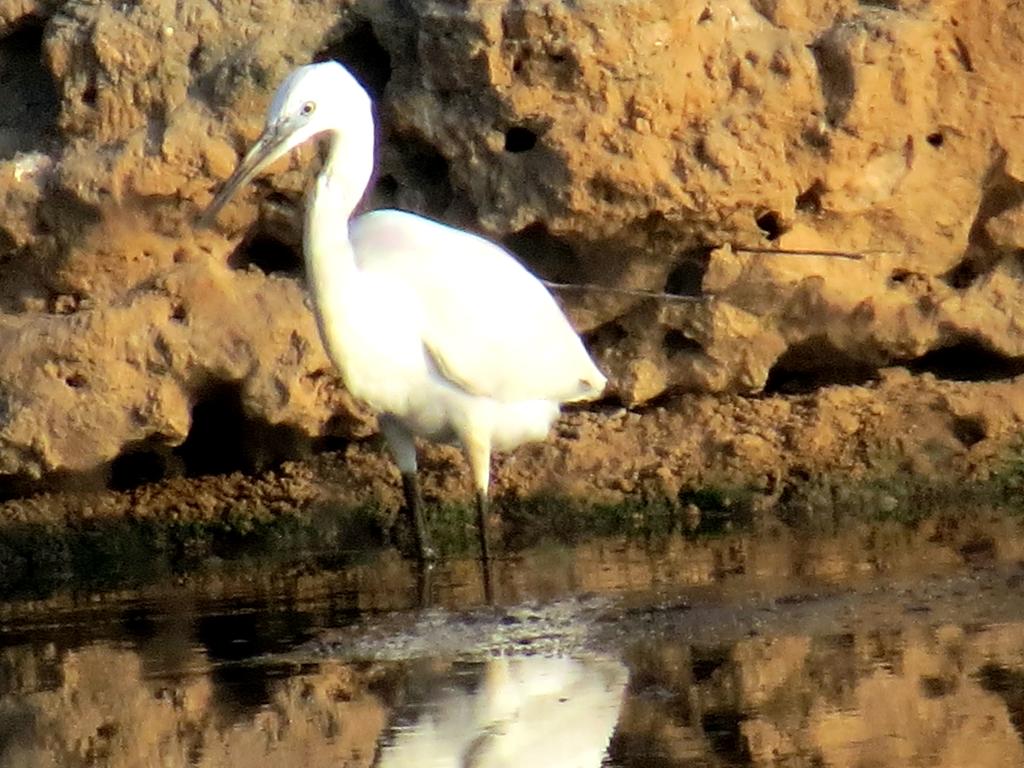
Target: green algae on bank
[{"x": 82, "y": 549}]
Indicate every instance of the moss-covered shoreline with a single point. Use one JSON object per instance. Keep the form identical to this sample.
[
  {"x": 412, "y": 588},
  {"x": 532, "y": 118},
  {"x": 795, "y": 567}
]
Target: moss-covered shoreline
[{"x": 80, "y": 550}]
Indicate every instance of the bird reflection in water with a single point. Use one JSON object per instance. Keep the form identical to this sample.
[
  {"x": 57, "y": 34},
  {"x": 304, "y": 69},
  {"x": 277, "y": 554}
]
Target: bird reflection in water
[{"x": 533, "y": 711}]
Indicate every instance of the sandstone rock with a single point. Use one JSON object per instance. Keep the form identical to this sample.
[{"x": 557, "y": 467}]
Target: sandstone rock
[{"x": 642, "y": 144}]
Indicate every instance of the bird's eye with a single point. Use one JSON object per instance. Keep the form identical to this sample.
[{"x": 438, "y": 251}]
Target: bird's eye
[{"x": 308, "y": 108}]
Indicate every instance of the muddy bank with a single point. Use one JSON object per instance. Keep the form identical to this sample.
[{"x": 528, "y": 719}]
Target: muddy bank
[{"x": 904, "y": 447}]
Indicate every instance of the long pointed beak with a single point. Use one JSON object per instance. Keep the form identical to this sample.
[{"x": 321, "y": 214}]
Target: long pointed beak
[{"x": 270, "y": 145}]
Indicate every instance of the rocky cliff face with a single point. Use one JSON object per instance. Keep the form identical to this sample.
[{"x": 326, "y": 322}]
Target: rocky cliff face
[{"x": 636, "y": 144}]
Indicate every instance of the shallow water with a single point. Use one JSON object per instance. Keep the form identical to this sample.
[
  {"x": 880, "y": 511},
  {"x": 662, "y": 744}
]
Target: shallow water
[{"x": 877, "y": 647}]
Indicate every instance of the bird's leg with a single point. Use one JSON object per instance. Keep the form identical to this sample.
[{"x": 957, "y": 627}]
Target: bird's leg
[
  {"x": 414, "y": 507},
  {"x": 424, "y": 584},
  {"x": 481, "y": 522},
  {"x": 478, "y": 452},
  {"x": 485, "y": 548},
  {"x": 403, "y": 448}
]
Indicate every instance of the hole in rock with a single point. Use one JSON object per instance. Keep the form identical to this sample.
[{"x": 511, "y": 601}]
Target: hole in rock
[
  {"x": 770, "y": 223},
  {"x": 224, "y": 439},
  {"x": 361, "y": 52},
  {"x": 28, "y": 120},
  {"x": 267, "y": 252},
  {"x": 676, "y": 342},
  {"x": 519, "y": 139},
  {"x": 137, "y": 465},
  {"x": 901, "y": 276},
  {"x": 814, "y": 363},
  {"x": 687, "y": 276},
  {"x": 968, "y": 360},
  {"x": 90, "y": 93},
  {"x": 809, "y": 201},
  {"x": 969, "y": 430},
  {"x": 546, "y": 255},
  {"x": 935, "y": 139}
]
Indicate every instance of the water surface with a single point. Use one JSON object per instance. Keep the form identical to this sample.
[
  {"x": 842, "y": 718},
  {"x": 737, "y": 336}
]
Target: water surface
[{"x": 881, "y": 646}]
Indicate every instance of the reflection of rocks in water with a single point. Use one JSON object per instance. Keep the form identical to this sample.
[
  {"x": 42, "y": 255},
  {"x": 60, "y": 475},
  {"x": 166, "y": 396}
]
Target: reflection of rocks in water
[
  {"x": 900, "y": 697},
  {"x": 107, "y": 711},
  {"x": 240, "y": 691},
  {"x": 537, "y": 711}
]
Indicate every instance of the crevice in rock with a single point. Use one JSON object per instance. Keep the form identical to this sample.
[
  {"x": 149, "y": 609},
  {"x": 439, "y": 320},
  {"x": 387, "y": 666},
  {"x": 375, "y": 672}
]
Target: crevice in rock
[
  {"x": 962, "y": 275},
  {"x": 963, "y": 54},
  {"x": 675, "y": 342},
  {"x": 546, "y": 255},
  {"x": 687, "y": 276},
  {"x": 362, "y": 53},
  {"x": 605, "y": 335},
  {"x": 815, "y": 363},
  {"x": 606, "y": 190},
  {"x": 835, "y": 70},
  {"x": 414, "y": 176},
  {"x": 16, "y": 486},
  {"x": 809, "y": 201},
  {"x": 1001, "y": 193},
  {"x": 225, "y": 439},
  {"x": 28, "y": 120},
  {"x": 968, "y": 360},
  {"x": 142, "y": 463},
  {"x": 903, "y": 276}
]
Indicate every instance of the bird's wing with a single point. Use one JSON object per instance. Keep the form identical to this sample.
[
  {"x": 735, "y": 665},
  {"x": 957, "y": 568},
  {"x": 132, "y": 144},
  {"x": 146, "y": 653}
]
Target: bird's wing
[{"x": 490, "y": 326}]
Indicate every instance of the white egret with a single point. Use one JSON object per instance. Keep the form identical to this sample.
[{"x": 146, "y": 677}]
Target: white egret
[
  {"x": 442, "y": 332},
  {"x": 555, "y": 712}
]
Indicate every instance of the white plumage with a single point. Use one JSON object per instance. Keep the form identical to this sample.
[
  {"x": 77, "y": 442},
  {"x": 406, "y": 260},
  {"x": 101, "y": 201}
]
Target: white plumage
[{"x": 443, "y": 332}]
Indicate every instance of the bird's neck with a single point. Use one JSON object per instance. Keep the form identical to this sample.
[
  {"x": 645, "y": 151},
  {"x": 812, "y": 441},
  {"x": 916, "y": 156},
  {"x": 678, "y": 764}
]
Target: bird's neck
[
  {"x": 338, "y": 189},
  {"x": 331, "y": 268}
]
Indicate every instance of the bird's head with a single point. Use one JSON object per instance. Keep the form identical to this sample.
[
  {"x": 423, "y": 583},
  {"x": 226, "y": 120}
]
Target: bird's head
[{"x": 312, "y": 100}]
